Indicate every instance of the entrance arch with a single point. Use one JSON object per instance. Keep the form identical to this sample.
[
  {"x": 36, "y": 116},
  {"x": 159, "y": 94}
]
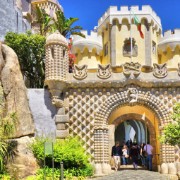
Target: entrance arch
[{"x": 119, "y": 107}]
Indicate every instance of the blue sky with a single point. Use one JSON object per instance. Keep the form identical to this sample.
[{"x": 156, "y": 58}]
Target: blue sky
[{"x": 89, "y": 11}]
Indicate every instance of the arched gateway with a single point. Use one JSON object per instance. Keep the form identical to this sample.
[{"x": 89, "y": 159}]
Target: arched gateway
[{"x": 125, "y": 105}]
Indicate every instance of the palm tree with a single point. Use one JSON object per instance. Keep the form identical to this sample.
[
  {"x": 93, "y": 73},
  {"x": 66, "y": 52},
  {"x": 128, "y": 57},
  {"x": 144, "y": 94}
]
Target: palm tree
[
  {"x": 44, "y": 21},
  {"x": 63, "y": 25}
]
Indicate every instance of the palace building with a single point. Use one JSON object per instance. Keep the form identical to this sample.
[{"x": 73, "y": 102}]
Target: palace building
[{"x": 110, "y": 95}]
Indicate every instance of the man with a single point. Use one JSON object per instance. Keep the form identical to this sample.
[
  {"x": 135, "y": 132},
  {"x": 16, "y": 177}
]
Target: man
[
  {"x": 116, "y": 154},
  {"x": 148, "y": 149}
]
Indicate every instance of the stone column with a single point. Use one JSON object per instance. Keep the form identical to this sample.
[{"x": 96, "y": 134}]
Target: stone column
[
  {"x": 113, "y": 29},
  {"x": 148, "y": 46},
  {"x": 101, "y": 152}
]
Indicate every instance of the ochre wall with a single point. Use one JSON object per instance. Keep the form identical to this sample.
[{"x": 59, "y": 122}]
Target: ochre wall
[
  {"x": 170, "y": 56},
  {"x": 92, "y": 59},
  {"x": 122, "y": 33},
  {"x": 152, "y": 124}
]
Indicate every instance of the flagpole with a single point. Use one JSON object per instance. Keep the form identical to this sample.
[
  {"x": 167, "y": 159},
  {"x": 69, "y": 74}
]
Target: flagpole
[{"x": 131, "y": 33}]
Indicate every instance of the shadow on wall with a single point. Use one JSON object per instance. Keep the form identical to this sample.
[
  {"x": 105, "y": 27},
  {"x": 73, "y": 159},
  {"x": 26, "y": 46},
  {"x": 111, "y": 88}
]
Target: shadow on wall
[
  {"x": 43, "y": 112},
  {"x": 48, "y": 103}
]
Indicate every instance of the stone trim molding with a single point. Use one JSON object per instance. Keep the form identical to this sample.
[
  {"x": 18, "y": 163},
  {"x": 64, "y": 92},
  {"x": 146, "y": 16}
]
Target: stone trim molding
[
  {"x": 124, "y": 13},
  {"x": 122, "y": 98}
]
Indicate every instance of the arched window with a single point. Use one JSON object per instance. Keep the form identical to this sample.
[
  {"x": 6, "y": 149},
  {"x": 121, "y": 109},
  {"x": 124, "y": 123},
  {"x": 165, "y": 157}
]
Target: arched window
[{"x": 127, "y": 48}]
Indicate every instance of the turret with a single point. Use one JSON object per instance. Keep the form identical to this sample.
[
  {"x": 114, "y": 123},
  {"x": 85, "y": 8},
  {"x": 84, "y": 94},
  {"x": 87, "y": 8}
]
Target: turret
[
  {"x": 169, "y": 48},
  {"x": 56, "y": 71},
  {"x": 56, "y": 65},
  {"x": 88, "y": 50}
]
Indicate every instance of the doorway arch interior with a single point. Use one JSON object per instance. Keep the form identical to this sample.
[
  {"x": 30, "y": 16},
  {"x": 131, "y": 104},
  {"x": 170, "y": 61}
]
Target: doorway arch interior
[
  {"x": 133, "y": 130},
  {"x": 140, "y": 115}
]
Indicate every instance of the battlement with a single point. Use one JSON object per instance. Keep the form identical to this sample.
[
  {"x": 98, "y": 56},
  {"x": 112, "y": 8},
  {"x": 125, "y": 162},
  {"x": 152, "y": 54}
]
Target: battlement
[
  {"x": 45, "y": 3},
  {"x": 92, "y": 35},
  {"x": 124, "y": 13},
  {"x": 171, "y": 39},
  {"x": 92, "y": 40},
  {"x": 170, "y": 33}
]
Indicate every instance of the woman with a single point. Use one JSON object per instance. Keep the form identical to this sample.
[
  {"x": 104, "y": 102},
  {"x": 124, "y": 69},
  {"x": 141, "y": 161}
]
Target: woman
[
  {"x": 125, "y": 155},
  {"x": 116, "y": 154}
]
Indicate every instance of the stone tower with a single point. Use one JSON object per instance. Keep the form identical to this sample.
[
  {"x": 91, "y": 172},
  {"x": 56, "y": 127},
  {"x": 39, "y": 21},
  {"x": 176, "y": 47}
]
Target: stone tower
[{"x": 56, "y": 70}]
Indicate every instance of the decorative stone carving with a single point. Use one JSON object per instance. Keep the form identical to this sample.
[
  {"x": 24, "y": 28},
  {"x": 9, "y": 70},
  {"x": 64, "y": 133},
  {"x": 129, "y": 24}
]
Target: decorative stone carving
[
  {"x": 80, "y": 72},
  {"x": 179, "y": 69},
  {"x": 104, "y": 72},
  {"x": 160, "y": 70},
  {"x": 132, "y": 94},
  {"x": 132, "y": 68},
  {"x": 57, "y": 102}
]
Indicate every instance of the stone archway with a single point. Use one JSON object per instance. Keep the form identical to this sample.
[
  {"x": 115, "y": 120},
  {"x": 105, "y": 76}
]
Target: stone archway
[
  {"x": 151, "y": 124},
  {"x": 105, "y": 115}
]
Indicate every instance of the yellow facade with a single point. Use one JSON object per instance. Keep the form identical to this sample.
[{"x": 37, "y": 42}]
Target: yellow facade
[{"x": 116, "y": 30}]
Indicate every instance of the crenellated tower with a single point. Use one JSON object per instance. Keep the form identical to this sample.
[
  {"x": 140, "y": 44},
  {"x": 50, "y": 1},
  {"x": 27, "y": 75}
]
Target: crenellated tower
[{"x": 115, "y": 26}]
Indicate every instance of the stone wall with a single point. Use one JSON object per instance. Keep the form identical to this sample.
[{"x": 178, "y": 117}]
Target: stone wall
[
  {"x": 85, "y": 105},
  {"x": 43, "y": 112},
  {"x": 11, "y": 19}
]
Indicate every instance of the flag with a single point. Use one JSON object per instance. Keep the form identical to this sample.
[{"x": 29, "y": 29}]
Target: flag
[{"x": 138, "y": 24}]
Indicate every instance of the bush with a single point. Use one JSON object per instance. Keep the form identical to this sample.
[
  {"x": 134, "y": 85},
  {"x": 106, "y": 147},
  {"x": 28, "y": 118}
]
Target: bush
[
  {"x": 69, "y": 151},
  {"x": 31, "y": 54}
]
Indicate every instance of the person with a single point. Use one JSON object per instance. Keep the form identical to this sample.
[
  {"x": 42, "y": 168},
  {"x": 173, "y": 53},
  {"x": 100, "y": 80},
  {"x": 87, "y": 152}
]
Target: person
[
  {"x": 148, "y": 149},
  {"x": 116, "y": 154},
  {"x": 134, "y": 155},
  {"x": 142, "y": 154},
  {"x": 125, "y": 155}
]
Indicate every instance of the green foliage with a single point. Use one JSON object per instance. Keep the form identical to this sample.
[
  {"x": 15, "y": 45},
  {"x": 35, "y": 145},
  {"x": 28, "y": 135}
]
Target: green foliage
[
  {"x": 64, "y": 26},
  {"x": 172, "y": 130},
  {"x": 44, "y": 21},
  {"x": 5, "y": 177},
  {"x": 69, "y": 151},
  {"x": 31, "y": 53},
  {"x": 7, "y": 128}
]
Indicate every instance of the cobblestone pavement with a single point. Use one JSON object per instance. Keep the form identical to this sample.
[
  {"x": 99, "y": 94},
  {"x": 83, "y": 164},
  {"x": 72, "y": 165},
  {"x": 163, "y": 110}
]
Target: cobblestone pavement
[{"x": 131, "y": 174}]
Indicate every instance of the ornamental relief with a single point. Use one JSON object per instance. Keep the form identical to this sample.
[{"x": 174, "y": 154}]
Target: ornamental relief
[
  {"x": 57, "y": 102},
  {"x": 80, "y": 72},
  {"x": 132, "y": 68},
  {"x": 104, "y": 72},
  {"x": 132, "y": 94},
  {"x": 160, "y": 70}
]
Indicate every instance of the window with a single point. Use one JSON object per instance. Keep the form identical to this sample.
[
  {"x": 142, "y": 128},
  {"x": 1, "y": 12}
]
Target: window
[
  {"x": 127, "y": 48},
  {"x": 153, "y": 47}
]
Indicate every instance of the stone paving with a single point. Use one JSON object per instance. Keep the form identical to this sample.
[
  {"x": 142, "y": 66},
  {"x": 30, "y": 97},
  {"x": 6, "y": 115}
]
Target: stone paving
[{"x": 129, "y": 173}]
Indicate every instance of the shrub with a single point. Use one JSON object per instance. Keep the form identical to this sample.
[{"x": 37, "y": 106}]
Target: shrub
[{"x": 69, "y": 151}]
